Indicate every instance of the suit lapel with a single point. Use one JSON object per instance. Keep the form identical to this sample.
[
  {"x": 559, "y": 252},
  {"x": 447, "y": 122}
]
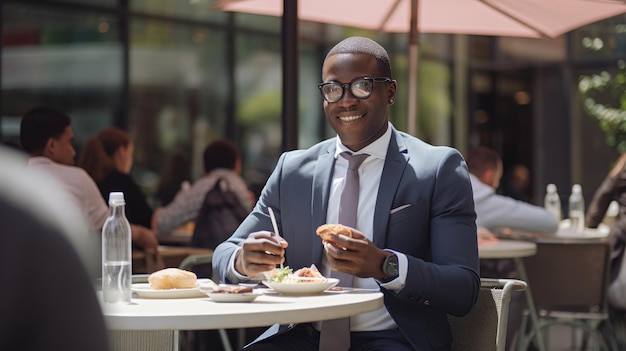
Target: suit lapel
[
  {"x": 395, "y": 162},
  {"x": 321, "y": 189}
]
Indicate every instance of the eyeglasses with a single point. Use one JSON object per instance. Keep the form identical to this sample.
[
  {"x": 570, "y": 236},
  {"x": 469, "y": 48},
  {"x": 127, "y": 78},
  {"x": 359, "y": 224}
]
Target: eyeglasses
[{"x": 361, "y": 88}]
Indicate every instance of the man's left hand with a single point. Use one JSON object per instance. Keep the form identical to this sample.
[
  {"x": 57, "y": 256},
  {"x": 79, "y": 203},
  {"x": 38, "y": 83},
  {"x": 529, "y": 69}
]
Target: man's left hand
[{"x": 359, "y": 256}]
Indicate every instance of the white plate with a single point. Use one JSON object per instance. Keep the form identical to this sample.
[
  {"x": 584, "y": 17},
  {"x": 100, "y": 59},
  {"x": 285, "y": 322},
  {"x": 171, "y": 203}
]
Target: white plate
[
  {"x": 302, "y": 288},
  {"x": 225, "y": 297},
  {"x": 145, "y": 291}
]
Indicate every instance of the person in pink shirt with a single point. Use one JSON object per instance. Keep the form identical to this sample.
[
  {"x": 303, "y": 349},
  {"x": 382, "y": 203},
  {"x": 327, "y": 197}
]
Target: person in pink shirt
[{"x": 46, "y": 134}]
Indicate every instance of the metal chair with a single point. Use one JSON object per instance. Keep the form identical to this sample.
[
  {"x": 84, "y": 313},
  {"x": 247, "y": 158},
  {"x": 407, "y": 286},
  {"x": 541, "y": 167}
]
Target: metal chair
[
  {"x": 194, "y": 260},
  {"x": 484, "y": 328},
  {"x": 569, "y": 280}
]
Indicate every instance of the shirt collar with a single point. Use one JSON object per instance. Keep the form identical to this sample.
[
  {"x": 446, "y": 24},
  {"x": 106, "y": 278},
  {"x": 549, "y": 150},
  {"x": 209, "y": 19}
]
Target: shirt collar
[
  {"x": 378, "y": 148},
  {"x": 39, "y": 160}
]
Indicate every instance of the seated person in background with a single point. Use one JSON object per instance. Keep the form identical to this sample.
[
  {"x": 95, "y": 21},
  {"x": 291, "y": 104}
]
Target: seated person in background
[
  {"x": 493, "y": 210},
  {"x": 46, "y": 134},
  {"x": 496, "y": 211},
  {"x": 47, "y": 264},
  {"x": 222, "y": 164},
  {"x": 176, "y": 177},
  {"x": 108, "y": 158},
  {"x": 613, "y": 188}
]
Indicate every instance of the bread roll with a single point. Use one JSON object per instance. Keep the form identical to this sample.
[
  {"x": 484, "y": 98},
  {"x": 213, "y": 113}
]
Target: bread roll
[
  {"x": 172, "y": 278},
  {"x": 327, "y": 232}
]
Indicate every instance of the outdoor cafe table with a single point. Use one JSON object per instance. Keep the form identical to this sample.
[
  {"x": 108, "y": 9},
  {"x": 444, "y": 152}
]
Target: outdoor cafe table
[
  {"x": 202, "y": 313},
  {"x": 517, "y": 244}
]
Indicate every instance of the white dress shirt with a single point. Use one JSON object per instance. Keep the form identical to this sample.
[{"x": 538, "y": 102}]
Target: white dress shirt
[{"x": 370, "y": 173}]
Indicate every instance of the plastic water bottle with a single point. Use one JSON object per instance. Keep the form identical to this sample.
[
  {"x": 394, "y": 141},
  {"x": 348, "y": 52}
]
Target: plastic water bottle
[
  {"x": 577, "y": 209},
  {"x": 552, "y": 201},
  {"x": 116, "y": 253}
]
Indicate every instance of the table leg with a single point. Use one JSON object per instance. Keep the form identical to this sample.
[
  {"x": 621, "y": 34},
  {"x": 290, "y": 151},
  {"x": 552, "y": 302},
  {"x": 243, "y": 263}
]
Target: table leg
[{"x": 532, "y": 310}]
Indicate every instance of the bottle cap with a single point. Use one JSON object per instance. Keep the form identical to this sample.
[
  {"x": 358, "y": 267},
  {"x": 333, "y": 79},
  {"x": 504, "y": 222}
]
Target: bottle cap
[
  {"x": 116, "y": 198},
  {"x": 551, "y": 188},
  {"x": 576, "y": 188}
]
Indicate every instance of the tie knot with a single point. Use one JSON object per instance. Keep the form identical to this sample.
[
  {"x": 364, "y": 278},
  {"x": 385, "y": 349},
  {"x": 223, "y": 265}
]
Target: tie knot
[{"x": 354, "y": 161}]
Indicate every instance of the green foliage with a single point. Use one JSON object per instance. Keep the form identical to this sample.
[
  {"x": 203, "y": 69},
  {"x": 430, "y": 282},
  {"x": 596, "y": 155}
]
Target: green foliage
[
  {"x": 604, "y": 99},
  {"x": 262, "y": 107}
]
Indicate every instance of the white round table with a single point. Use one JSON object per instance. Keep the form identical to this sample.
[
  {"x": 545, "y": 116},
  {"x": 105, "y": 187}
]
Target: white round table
[
  {"x": 148, "y": 324},
  {"x": 203, "y": 313},
  {"x": 507, "y": 249}
]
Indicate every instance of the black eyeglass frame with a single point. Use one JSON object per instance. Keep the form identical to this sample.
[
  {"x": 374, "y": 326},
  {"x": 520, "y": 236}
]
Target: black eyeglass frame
[{"x": 372, "y": 80}]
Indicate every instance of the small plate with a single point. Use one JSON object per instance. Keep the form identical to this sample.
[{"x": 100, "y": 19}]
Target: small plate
[
  {"x": 145, "y": 291},
  {"x": 302, "y": 288},
  {"x": 226, "y": 297}
]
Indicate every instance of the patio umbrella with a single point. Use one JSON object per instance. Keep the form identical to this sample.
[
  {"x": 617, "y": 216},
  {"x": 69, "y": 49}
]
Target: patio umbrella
[{"x": 515, "y": 18}]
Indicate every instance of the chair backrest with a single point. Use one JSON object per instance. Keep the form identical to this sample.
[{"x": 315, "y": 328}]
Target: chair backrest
[
  {"x": 193, "y": 260},
  {"x": 484, "y": 328},
  {"x": 569, "y": 275}
]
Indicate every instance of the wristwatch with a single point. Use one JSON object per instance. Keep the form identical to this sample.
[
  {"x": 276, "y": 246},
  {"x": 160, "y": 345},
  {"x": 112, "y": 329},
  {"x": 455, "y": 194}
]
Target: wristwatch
[{"x": 390, "y": 267}]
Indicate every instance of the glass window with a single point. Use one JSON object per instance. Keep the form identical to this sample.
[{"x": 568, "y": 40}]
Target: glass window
[
  {"x": 62, "y": 57},
  {"x": 200, "y": 10},
  {"x": 109, "y": 3},
  {"x": 258, "y": 82},
  {"x": 178, "y": 93}
]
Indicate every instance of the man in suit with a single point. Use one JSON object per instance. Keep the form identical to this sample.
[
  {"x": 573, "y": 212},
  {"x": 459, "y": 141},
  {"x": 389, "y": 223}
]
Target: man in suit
[{"x": 415, "y": 233}]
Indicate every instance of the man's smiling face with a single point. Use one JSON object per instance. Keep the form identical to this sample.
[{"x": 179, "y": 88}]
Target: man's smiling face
[{"x": 357, "y": 121}]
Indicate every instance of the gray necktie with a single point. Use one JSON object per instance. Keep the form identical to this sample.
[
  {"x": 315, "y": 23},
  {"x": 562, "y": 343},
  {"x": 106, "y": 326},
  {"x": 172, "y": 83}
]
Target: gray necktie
[{"x": 335, "y": 333}]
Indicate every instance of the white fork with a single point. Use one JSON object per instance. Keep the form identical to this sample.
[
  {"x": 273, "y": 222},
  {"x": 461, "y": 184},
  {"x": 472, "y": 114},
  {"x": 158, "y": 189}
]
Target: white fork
[{"x": 273, "y": 218}]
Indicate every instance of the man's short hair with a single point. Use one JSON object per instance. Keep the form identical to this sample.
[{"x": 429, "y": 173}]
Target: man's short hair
[
  {"x": 361, "y": 45},
  {"x": 221, "y": 153},
  {"x": 40, "y": 124},
  {"x": 481, "y": 159}
]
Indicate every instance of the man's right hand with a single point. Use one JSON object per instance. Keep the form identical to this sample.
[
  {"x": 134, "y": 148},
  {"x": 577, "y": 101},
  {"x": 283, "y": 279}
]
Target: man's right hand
[{"x": 261, "y": 252}]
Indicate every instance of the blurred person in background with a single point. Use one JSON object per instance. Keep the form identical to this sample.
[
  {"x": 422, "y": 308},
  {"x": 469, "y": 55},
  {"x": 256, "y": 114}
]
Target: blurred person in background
[
  {"x": 177, "y": 176},
  {"x": 222, "y": 163},
  {"x": 44, "y": 247},
  {"x": 46, "y": 134},
  {"x": 108, "y": 158},
  {"x": 496, "y": 211},
  {"x": 613, "y": 188}
]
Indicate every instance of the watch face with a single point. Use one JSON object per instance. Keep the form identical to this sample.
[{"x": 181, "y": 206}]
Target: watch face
[{"x": 390, "y": 266}]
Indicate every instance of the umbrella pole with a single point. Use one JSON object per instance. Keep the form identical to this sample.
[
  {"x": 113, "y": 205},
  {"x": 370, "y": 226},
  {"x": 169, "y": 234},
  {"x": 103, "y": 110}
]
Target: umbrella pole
[
  {"x": 290, "y": 33},
  {"x": 413, "y": 58}
]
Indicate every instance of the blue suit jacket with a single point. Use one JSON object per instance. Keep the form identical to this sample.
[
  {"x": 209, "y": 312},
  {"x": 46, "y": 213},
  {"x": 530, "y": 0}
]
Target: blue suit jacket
[{"x": 437, "y": 231}]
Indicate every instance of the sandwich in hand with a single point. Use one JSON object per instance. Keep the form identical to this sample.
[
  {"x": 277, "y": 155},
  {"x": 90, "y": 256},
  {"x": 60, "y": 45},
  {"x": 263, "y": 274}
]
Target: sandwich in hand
[{"x": 329, "y": 233}]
